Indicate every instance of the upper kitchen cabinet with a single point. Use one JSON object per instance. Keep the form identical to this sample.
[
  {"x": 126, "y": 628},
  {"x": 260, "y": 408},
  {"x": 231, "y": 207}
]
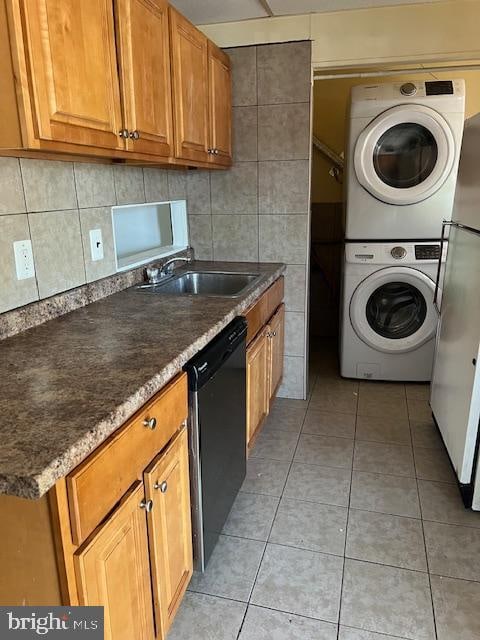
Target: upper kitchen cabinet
[
  {"x": 144, "y": 51},
  {"x": 202, "y": 95},
  {"x": 220, "y": 105},
  {"x": 190, "y": 89},
  {"x": 128, "y": 80},
  {"x": 64, "y": 76}
]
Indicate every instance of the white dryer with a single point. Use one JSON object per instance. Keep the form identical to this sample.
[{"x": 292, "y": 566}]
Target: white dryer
[
  {"x": 388, "y": 317},
  {"x": 402, "y": 159}
]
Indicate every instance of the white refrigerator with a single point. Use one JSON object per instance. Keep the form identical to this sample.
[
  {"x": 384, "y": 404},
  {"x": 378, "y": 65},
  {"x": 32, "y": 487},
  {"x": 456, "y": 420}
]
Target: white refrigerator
[{"x": 455, "y": 389}]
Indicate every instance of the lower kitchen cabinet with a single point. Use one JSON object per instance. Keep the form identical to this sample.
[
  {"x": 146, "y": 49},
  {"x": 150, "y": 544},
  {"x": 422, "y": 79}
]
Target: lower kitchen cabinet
[
  {"x": 170, "y": 530},
  {"x": 276, "y": 332},
  {"x": 113, "y": 571},
  {"x": 258, "y": 383},
  {"x": 266, "y": 321},
  {"x": 120, "y": 564}
]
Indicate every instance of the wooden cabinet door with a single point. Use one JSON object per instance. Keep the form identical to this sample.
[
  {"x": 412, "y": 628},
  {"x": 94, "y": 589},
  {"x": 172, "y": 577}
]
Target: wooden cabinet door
[
  {"x": 71, "y": 71},
  {"x": 258, "y": 389},
  {"x": 113, "y": 571},
  {"x": 276, "y": 332},
  {"x": 220, "y": 105},
  {"x": 170, "y": 532},
  {"x": 190, "y": 88},
  {"x": 144, "y": 51}
]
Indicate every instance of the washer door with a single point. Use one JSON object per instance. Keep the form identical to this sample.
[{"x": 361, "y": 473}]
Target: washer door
[
  {"x": 405, "y": 154},
  {"x": 392, "y": 310}
]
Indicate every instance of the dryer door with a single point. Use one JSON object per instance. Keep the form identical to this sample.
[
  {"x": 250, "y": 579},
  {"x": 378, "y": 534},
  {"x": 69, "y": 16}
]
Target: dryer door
[
  {"x": 405, "y": 154},
  {"x": 392, "y": 310}
]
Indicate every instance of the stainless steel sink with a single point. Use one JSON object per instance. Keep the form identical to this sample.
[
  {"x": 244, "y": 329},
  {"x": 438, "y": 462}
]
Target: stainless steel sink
[{"x": 205, "y": 283}]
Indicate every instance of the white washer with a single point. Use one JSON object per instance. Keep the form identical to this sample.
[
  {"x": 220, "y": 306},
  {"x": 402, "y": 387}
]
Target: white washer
[
  {"x": 402, "y": 159},
  {"x": 388, "y": 318}
]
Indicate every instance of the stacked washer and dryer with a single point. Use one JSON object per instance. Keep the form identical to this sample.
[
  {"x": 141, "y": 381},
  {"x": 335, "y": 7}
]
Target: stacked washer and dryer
[{"x": 402, "y": 160}]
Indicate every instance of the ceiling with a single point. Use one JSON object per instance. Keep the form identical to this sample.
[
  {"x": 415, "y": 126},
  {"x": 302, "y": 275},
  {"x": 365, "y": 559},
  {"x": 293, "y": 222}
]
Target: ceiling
[{"x": 210, "y": 11}]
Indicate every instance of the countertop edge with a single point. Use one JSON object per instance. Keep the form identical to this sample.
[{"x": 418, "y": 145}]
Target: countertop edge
[{"x": 34, "y": 487}]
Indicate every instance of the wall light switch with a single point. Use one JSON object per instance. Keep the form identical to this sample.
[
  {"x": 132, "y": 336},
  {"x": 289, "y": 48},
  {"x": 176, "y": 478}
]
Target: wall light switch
[
  {"x": 24, "y": 259},
  {"x": 96, "y": 244}
]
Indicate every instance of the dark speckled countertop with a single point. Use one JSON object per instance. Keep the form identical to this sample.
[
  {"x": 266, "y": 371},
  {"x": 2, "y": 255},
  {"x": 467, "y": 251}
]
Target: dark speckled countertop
[{"x": 66, "y": 385}]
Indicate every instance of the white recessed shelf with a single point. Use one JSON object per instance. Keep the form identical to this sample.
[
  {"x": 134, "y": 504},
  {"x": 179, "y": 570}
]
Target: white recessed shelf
[{"x": 145, "y": 232}]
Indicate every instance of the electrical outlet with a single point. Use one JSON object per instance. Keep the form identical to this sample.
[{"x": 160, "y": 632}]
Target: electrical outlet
[
  {"x": 96, "y": 244},
  {"x": 24, "y": 265}
]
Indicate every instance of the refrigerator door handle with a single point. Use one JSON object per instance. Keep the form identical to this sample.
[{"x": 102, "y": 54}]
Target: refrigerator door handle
[{"x": 436, "y": 304}]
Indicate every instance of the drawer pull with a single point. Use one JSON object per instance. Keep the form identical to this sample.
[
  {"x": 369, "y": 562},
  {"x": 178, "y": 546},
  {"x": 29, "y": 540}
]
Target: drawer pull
[
  {"x": 163, "y": 486},
  {"x": 147, "y": 505},
  {"x": 150, "y": 423}
]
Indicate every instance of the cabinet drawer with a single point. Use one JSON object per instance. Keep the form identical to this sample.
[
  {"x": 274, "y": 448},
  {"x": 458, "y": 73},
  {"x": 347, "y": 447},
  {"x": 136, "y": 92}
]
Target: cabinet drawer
[
  {"x": 99, "y": 482},
  {"x": 260, "y": 312}
]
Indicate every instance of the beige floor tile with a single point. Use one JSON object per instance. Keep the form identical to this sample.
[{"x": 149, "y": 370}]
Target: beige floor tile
[
  {"x": 385, "y": 539},
  {"x": 453, "y": 550},
  {"x": 286, "y": 415},
  {"x": 231, "y": 569},
  {"x": 347, "y": 633},
  {"x": 337, "y": 396},
  {"x": 324, "y": 450},
  {"x": 419, "y": 409},
  {"x": 395, "y": 495},
  {"x": 300, "y": 582},
  {"x": 313, "y": 483},
  {"x": 251, "y": 516},
  {"x": 212, "y": 618},
  {"x": 265, "y": 476},
  {"x": 456, "y": 605},
  {"x": 387, "y": 600},
  {"x": 307, "y": 525},
  {"x": 275, "y": 445},
  {"x": 433, "y": 464},
  {"x": 378, "y": 457},
  {"x": 425, "y": 434},
  {"x": 326, "y": 423},
  {"x": 391, "y": 429},
  {"x": 417, "y": 391},
  {"x": 266, "y": 624},
  {"x": 442, "y": 502},
  {"x": 382, "y": 406},
  {"x": 375, "y": 390}
]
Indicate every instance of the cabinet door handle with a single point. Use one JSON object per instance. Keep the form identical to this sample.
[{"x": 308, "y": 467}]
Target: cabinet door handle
[
  {"x": 123, "y": 133},
  {"x": 134, "y": 135},
  {"x": 150, "y": 423},
  {"x": 216, "y": 152},
  {"x": 163, "y": 486},
  {"x": 147, "y": 505}
]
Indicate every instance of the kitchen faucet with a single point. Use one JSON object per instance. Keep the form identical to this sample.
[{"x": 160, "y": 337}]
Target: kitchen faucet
[{"x": 167, "y": 267}]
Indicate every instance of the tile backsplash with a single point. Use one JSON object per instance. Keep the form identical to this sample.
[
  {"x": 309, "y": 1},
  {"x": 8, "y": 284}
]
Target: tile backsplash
[{"x": 56, "y": 204}]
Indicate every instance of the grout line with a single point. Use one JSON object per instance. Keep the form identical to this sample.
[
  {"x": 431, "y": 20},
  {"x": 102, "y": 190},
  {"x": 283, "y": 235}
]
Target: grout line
[
  {"x": 422, "y": 524},
  {"x": 271, "y": 526},
  {"x": 348, "y": 516},
  {"x": 27, "y": 213}
]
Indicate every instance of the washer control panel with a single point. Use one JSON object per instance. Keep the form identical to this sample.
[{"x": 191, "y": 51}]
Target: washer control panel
[
  {"x": 407, "y": 253},
  {"x": 427, "y": 251}
]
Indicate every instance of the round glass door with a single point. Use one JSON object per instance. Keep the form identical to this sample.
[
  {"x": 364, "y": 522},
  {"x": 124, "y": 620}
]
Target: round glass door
[
  {"x": 392, "y": 309},
  {"x": 405, "y": 155},
  {"x": 396, "y": 310}
]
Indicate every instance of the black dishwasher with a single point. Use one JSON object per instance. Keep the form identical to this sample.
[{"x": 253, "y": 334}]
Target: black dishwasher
[{"x": 217, "y": 434}]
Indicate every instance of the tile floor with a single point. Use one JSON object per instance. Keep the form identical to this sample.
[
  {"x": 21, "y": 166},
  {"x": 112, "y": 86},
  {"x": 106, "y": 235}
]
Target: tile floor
[{"x": 349, "y": 526}]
